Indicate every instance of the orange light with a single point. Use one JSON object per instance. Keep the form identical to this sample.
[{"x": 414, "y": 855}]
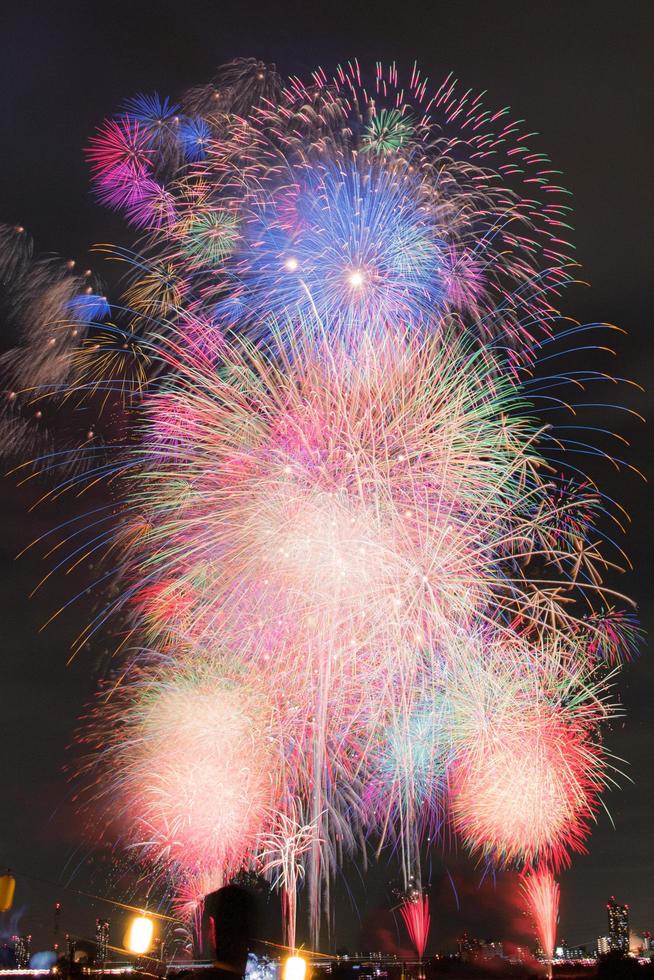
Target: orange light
[
  {"x": 7, "y": 889},
  {"x": 295, "y": 968},
  {"x": 139, "y": 935}
]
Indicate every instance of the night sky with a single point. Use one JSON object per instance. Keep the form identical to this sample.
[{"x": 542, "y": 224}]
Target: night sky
[{"x": 580, "y": 74}]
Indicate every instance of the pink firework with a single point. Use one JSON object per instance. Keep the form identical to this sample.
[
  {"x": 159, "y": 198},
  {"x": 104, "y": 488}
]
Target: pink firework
[
  {"x": 119, "y": 144},
  {"x": 190, "y": 751},
  {"x": 542, "y": 894},
  {"x": 415, "y": 912},
  {"x": 525, "y": 783},
  {"x": 528, "y": 788}
]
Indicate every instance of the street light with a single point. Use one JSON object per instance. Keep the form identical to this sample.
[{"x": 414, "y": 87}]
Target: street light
[
  {"x": 139, "y": 935},
  {"x": 295, "y": 968},
  {"x": 7, "y": 888}
]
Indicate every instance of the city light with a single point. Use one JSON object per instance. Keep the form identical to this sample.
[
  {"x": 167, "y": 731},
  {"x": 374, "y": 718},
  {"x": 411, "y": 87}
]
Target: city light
[
  {"x": 139, "y": 935},
  {"x": 295, "y": 968},
  {"x": 7, "y": 889}
]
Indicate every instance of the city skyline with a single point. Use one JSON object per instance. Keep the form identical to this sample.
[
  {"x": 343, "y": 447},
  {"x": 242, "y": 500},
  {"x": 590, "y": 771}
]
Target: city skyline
[{"x": 105, "y": 944}]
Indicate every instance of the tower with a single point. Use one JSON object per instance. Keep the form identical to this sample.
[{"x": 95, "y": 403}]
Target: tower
[
  {"x": 22, "y": 951},
  {"x": 618, "y": 926},
  {"x": 101, "y": 940}
]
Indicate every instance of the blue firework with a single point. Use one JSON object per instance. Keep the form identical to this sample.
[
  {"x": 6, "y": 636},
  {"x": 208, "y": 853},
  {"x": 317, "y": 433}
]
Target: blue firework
[
  {"x": 195, "y": 137},
  {"x": 413, "y": 760},
  {"x": 159, "y": 120},
  {"x": 350, "y": 243},
  {"x": 151, "y": 111}
]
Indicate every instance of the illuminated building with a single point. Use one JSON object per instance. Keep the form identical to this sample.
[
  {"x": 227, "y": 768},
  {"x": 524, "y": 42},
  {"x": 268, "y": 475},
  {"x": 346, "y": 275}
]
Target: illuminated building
[
  {"x": 70, "y": 947},
  {"x": 22, "y": 951},
  {"x": 475, "y": 949},
  {"x": 603, "y": 945},
  {"x": 101, "y": 940},
  {"x": 566, "y": 952},
  {"x": 468, "y": 947},
  {"x": 490, "y": 949},
  {"x": 647, "y": 942},
  {"x": 618, "y": 926}
]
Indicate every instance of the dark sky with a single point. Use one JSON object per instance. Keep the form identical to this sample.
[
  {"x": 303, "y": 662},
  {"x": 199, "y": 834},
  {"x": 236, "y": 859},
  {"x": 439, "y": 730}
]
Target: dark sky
[{"x": 580, "y": 73}]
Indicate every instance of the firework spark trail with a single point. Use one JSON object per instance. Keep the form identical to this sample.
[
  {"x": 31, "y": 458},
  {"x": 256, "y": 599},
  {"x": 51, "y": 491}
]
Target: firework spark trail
[
  {"x": 366, "y": 599},
  {"x": 415, "y": 912},
  {"x": 542, "y": 895},
  {"x": 344, "y": 523},
  {"x": 47, "y": 308}
]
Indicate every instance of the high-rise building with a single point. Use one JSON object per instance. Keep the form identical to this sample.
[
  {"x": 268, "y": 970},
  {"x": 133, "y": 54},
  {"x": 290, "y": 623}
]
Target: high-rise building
[
  {"x": 22, "y": 951},
  {"x": 70, "y": 947},
  {"x": 618, "y": 925},
  {"x": 101, "y": 940},
  {"x": 648, "y": 942},
  {"x": 603, "y": 945}
]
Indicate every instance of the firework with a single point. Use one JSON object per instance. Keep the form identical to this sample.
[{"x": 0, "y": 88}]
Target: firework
[
  {"x": 47, "y": 308},
  {"x": 352, "y": 201},
  {"x": 415, "y": 913},
  {"x": 189, "y": 751},
  {"x": 237, "y": 87},
  {"x": 526, "y": 784},
  {"x": 542, "y": 895},
  {"x": 366, "y": 601},
  {"x": 344, "y": 522},
  {"x": 350, "y": 243}
]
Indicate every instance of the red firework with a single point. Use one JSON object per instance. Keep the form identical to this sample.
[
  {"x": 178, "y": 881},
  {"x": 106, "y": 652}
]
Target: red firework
[
  {"x": 119, "y": 144},
  {"x": 542, "y": 893},
  {"x": 415, "y": 912}
]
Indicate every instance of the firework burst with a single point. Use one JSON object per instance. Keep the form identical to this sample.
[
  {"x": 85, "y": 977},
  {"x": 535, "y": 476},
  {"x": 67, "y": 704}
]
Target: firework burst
[
  {"x": 189, "y": 750},
  {"x": 371, "y": 605}
]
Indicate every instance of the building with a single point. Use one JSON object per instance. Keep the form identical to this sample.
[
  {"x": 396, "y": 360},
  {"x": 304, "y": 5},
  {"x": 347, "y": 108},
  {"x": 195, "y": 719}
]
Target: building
[
  {"x": 618, "y": 925},
  {"x": 468, "y": 947},
  {"x": 70, "y": 948},
  {"x": 465, "y": 944},
  {"x": 22, "y": 951},
  {"x": 490, "y": 949},
  {"x": 101, "y": 940},
  {"x": 567, "y": 952},
  {"x": 476, "y": 949},
  {"x": 603, "y": 945},
  {"x": 648, "y": 942}
]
